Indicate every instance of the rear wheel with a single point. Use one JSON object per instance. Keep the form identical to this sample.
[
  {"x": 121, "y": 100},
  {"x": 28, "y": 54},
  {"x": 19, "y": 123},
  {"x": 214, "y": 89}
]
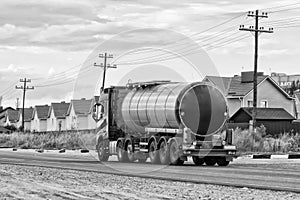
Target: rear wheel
[
  {"x": 130, "y": 151},
  {"x": 164, "y": 155},
  {"x": 198, "y": 161},
  {"x": 153, "y": 153},
  {"x": 121, "y": 153},
  {"x": 221, "y": 161},
  {"x": 210, "y": 161},
  {"x": 102, "y": 155},
  {"x": 175, "y": 154}
]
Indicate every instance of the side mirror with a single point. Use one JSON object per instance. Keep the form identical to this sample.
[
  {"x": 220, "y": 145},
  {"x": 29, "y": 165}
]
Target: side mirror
[{"x": 98, "y": 111}]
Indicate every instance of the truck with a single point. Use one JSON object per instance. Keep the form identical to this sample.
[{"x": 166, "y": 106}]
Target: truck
[{"x": 165, "y": 122}]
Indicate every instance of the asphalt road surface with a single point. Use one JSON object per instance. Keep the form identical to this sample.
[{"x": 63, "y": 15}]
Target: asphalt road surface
[{"x": 275, "y": 174}]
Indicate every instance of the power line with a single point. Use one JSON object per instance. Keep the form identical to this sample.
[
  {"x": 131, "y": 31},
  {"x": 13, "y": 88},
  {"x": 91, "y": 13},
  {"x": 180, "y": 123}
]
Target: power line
[
  {"x": 64, "y": 81},
  {"x": 3, "y": 92},
  {"x": 282, "y": 6},
  {"x": 283, "y": 10},
  {"x": 176, "y": 43},
  {"x": 183, "y": 53}
]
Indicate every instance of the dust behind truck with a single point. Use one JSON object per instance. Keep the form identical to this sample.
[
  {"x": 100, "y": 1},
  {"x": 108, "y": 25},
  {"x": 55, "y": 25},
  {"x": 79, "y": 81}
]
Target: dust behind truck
[{"x": 164, "y": 121}]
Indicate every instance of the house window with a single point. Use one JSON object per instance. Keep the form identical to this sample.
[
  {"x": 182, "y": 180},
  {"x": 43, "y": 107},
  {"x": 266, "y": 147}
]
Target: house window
[
  {"x": 249, "y": 103},
  {"x": 264, "y": 104}
]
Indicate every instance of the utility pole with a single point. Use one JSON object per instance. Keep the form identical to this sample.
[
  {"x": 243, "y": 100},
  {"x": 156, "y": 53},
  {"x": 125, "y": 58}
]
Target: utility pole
[
  {"x": 105, "y": 56},
  {"x": 24, "y": 88},
  {"x": 256, "y": 29}
]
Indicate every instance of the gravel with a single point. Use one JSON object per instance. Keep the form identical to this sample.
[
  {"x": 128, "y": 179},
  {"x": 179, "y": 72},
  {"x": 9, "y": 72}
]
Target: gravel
[{"x": 24, "y": 182}]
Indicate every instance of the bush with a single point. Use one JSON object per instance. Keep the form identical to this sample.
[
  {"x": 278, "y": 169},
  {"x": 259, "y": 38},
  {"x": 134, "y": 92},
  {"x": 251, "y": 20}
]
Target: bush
[{"x": 250, "y": 141}]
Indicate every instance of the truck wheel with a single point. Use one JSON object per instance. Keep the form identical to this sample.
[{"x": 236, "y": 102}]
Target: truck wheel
[
  {"x": 175, "y": 154},
  {"x": 102, "y": 155},
  {"x": 210, "y": 161},
  {"x": 121, "y": 153},
  {"x": 221, "y": 161},
  {"x": 153, "y": 153},
  {"x": 164, "y": 155},
  {"x": 130, "y": 152},
  {"x": 198, "y": 161}
]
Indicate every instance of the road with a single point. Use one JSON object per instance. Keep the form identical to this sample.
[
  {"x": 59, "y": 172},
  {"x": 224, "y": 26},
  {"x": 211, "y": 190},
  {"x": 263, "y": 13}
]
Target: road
[{"x": 281, "y": 174}]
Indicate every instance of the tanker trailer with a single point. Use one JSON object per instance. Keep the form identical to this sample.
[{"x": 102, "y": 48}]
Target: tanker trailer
[{"x": 165, "y": 121}]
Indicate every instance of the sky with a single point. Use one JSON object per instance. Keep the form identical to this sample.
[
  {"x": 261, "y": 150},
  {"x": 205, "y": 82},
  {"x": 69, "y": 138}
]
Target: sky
[{"x": 56, "y": 43}]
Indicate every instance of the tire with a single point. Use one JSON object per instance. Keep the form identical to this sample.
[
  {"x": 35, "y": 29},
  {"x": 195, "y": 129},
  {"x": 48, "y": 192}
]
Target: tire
[
  {"x": 153, "y": 153},
  {"x": 198, "y": 161},
  {"x": 121, "y": 153},
  {"x": 164, "y": 155},
  {"x": 175, "y": 154},
  {"x": 210, "y": 161},
  {"x": 130, "y": 151},
  {"x": 221, "y": 161},
  {"x": 102, "y": 155}
]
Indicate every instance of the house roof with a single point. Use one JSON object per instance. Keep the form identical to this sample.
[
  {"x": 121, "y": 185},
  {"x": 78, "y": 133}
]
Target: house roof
[
  {"x": 3, "y": 112},
  {"x": 266, "y": 113},
  {"x": 81, "y": 106},
  {"x": 28, "y": 114},
  {"x": 233, "y": 86},
  {"x": 13, "y": 115},
  {"x": 223, "y": 83},
  {"x": 42, "y": 111},
  {"x": 60, "y": 109}
]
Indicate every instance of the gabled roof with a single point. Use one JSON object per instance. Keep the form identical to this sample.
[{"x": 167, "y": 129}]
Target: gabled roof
[
  {"x": 60, "y": 109},
  {"x": 42, "y": 111},
  {"x": 266, "y": 113},
  {"x": 223, "y": 83},
  {"x": 81, "y": 106},
  {"x": 28, "y": 114},
  {"x": 3, "y": 112},
  {"x": 234, "y": 87},
  {"x": 12, "y": 115}
]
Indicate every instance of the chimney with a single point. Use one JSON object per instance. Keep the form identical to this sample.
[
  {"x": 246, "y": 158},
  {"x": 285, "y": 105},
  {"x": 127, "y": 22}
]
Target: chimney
[{"x": 247, "y": 77}]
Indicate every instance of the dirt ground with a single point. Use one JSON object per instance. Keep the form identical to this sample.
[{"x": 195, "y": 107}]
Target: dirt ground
[{"x": 23, "y": 182}]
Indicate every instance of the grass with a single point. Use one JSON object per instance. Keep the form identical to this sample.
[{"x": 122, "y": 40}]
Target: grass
[
  {"x": 245, "y": 140},
  {"x": 71, "y": 140}
]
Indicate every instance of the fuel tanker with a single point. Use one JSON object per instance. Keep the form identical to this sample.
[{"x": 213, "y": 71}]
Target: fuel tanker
[{"x": 164, "y": 121}]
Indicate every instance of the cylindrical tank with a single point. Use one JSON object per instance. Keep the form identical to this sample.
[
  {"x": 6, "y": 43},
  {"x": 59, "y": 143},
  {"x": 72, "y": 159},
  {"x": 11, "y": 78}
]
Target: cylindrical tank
[{"x": 198, "y": 106}]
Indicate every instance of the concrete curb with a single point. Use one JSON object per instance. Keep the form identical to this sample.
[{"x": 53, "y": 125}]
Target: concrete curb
[{"x": 274, "y": 156}]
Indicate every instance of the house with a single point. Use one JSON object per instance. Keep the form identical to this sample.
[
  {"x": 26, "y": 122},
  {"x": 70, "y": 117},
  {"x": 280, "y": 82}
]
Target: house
[
  {"x": 39, "y": 120},
  {"x": 297, "y": 103},
  {"x": 276, "y": 120},
  {"x": 11, "y": 118},
  {"x": 57, "y": 116},
  {"x": 28, "y": 116},
  {"x": 79, "y": 115},
  {"x": 239, "y": 92},
  {"x": 286, "y": 81},
  {"x": 3, "y": 114}
]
